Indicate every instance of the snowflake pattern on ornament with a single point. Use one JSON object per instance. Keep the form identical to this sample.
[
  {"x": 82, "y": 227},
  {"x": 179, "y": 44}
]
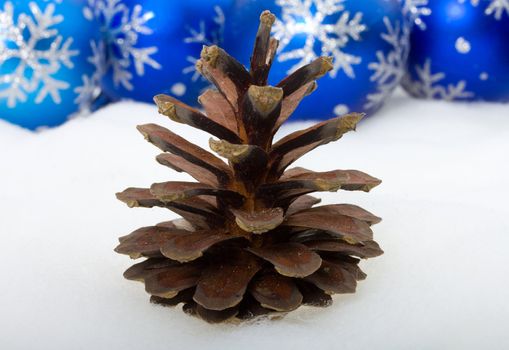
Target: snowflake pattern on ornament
[
  {"x": 415, "y": 10},
  {"x": 390, "y": 67},
  {"x": 91, "y": 89},
  {"x": 495, "y": 7},
  {"x": 200, "y": 36},
  {"x": 427, "y": 85},
  {"x": 310, "y": 19},
  {"x": 36, "y": 67},
  {"x": 121, "y": 49}
]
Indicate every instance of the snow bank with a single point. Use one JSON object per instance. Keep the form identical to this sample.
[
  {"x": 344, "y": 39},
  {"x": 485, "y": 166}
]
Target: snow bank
[{"x": 442, "y": 283}]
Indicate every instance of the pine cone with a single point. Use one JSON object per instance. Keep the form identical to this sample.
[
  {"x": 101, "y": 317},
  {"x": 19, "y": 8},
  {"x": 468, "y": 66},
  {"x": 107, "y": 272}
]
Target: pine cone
[{"x": 251, "y": 240}]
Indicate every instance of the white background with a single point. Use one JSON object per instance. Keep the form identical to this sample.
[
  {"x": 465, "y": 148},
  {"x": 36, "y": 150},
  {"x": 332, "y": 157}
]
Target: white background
[{"x": 443, "y": 282}]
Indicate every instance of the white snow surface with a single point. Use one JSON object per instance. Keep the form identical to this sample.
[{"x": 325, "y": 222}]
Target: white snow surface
[{"x": 443, "y": 282}]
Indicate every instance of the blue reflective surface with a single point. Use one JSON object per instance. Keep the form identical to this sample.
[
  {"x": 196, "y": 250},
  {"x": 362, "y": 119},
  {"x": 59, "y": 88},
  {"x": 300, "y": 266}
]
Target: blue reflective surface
[
  {"x": 32, "y": 107},
  {"x": 179, "y": 29},
  {"x": 463, "y": 46}
]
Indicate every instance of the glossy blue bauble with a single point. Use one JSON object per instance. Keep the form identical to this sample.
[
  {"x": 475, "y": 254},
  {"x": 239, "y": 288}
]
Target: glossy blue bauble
[
  {"x": 151, "y": 46},
  {"x": 46, "y": 74},
  {"x": 461, "y": 51},
  {"x": 368, "y": 40}
]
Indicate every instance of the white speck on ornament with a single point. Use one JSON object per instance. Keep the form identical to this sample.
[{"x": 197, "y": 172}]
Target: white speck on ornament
[
  {"x": 484, "y": 76},
  {"x": 462, "y": 45},
  {"x": 178, "y": 89},
  {"x": 341, "y": 110}
]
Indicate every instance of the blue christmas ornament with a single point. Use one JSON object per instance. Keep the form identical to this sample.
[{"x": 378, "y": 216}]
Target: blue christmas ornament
[
  {"x": 47, "y": 73},
  {"x": 368, "y": 41},
  {"x": 460, "y": 51},
  {"x": 151, "y": 46}
]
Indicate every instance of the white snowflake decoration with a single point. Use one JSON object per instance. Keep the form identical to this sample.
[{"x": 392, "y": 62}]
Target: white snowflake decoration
[
  {"x": 309, "y": 18},
  {"x": 415, "y": 10},
  {"x": 200, "y": 36},
  {"x": 390, "y": 67},
  {"x": 427, "y": 85},
  {"x": 495, "y": 7},
  {"x": 36, "y": 67},
  {"x": 123, "y": 38},
  {"x": 91, "y": 90}
]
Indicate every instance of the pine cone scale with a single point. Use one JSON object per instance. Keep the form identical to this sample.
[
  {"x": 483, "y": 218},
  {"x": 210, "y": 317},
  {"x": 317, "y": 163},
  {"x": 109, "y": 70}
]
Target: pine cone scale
[
  {"x": 146, "y": 241},
  {"x": 302, "y": 203},
  {"x": 306, "y": 74},
  {"x": 292, "y": 101},
  {"x": 345, "y": 227},
  {"x": 182, "y": 113},
  {"x": 167, "y": 141},
  {"x": 138, "y": 272},
  {"x": 290, "y": 259},
  {"x": 139, "y": 197},
  {"x": 276, "y": 292},
  {"x": 223, "y": 284},
  {"x": 190, "y": 246},
  {"x": 333, "y": 279},
  {"x": 181, "y": 165},
  {"x": 219, "y": 109},
  {"x": 172, "y": 280},
  {"x": 368, "y": 249},
  {"x": 213, "y": 316},
  {"x": 261, "y": 59}
]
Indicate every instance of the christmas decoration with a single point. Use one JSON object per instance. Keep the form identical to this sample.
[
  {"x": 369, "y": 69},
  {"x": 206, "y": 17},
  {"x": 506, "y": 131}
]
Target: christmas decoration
[
  {"x": 251, "y": 240},
  {"x": 157, "y": 42},
  {"x": 415, "y": 10},
  {"x": 368, "y": 41},
  {"x": 46, "y": 70},
  {"x": 459, "y": 52}
]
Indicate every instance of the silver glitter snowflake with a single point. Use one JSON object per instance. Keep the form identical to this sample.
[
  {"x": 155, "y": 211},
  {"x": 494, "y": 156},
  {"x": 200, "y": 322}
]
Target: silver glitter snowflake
[
  {"x": 495, "y": 7},
  {"x": 201, "y": 36},
  {"x": 427, "y": 85},
  {"x": 415, "y": 10},
  {"x": 310, "y": 18},
  {"x": 91, "y": 89},
  {"x": 36, "y": 67},
  {"x": 121, "y": 39},
  {"x": 390, "y": 67}
]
